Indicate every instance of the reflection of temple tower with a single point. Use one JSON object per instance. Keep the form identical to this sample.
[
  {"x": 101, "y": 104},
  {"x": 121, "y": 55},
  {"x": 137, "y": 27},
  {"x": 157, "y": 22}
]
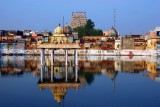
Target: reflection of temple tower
[
  {"x": 59, "y": 81},
  {"x": 108, "y": 69}
]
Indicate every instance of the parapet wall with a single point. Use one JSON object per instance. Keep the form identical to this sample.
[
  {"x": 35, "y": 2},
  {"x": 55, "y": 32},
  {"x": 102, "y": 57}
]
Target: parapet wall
[{"x": 85, "y": 52}]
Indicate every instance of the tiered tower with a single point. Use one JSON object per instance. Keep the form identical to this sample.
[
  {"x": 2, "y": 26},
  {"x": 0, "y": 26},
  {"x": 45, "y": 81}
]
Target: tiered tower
[{"x": 78, "y": 19}]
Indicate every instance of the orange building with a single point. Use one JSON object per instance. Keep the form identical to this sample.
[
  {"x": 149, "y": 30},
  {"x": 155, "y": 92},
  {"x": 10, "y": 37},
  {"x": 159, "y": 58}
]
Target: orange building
[
  {"x": 92, "y": 42},
  {"x": 108, "y": 45},
  {"x": 153, "y": 39}
]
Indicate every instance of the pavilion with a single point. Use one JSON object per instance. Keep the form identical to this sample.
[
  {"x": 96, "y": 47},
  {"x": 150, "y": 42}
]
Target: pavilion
[{"x": 58, "y": 41}]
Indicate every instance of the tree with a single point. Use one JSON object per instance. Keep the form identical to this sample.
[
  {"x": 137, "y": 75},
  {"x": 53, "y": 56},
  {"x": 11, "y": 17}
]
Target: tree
[
  {"x": 96, "y": 32},
  {"x": 80, "y": 31},
  {"x": 90, "y": 25},
  {"x": 88, "y": 30}
]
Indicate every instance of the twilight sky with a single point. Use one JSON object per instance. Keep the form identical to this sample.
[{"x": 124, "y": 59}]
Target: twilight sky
[{"x": 132, "y": 16}]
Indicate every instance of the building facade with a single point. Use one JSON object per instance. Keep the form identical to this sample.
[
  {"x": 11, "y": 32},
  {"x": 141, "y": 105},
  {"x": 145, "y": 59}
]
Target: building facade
[
  {"x": 78, "y": 19},
  {"x": 133, "y": 42},
  {"x": 153, "y": 39}
]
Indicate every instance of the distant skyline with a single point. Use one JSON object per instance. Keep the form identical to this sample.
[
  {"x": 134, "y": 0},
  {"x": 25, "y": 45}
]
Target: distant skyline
[{"x": 136, "y": 16}]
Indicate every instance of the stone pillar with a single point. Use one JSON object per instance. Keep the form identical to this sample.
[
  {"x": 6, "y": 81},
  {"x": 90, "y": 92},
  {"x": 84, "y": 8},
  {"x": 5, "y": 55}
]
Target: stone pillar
[
  {"x": 75, "y": 57},
  {"x": 42, "y": 73},
  {"x": 76, "y": 73},
  {"x": 66, "y": 57},
  {"x": 52, "y": 57},
  {"x": 66, "y": 71},
  {"x": 52, "y": 73},
  {"x": 42, "y": 56}
]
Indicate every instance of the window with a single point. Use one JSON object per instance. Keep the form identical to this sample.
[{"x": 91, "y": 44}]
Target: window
[{"x": 158, "y": 33}]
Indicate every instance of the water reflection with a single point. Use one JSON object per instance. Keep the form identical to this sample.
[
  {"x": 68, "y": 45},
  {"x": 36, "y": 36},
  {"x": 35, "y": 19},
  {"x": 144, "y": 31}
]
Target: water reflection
[
  {"x": 107, "y": 65},
  {"x": 60, "y": 78},
  {"x": 17, "y": 65},
  {"x": 110, "y": 66}
]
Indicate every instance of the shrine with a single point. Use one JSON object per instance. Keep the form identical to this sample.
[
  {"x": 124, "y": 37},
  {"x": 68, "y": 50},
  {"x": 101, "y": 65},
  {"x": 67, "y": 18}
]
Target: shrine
[{"x": 58, "y": 41}]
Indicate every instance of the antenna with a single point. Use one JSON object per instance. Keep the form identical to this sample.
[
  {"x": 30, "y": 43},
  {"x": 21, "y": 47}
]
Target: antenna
[
  {"x": 114, "y": 18},
  {"x": 63, "y": 24}
]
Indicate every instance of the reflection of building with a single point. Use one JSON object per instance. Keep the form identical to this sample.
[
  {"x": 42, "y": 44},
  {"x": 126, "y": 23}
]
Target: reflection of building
[
  {"x": 152, "y": 69},
  {"x": 139, "y": 66},
  {"x": 90, "y": 66},
  {"x": 108, "y": 68},
  {"x": 59, "y": 80},
  {"x": 118, "y": 65},
  {"x": 108, "y": 65},
  {"x": 11, "y": 65},
  {"x": 30, "y": 65},
  {"x": 17, "y": 65},
  {"x": 133, "y": 66}
]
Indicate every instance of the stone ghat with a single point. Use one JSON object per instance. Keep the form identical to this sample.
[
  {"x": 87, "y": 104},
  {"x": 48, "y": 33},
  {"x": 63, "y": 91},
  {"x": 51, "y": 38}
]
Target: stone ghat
[{"x": 85, "y": 52}]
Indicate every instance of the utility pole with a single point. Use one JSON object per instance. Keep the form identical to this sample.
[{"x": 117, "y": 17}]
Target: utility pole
[
  {"x": 63, "y": 24},
  {"x": 114, "y": 18}
]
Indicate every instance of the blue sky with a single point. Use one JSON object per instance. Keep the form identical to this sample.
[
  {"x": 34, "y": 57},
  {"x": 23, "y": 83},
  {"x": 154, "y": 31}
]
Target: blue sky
[{"x": 132, "y": 16}]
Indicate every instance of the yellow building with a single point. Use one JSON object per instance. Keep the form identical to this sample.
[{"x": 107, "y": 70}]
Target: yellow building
[
  {"x": 153, "y": 43},
  {"x": 58, "y": 36},
  {"x": 153, "y": 39}
]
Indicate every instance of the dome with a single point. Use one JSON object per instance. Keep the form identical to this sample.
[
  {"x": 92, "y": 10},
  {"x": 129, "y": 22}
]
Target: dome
[
  {"x": 112, "y": 32},
  {"x": 58, "y": 30},
  {"x": 152, "y": 34}
]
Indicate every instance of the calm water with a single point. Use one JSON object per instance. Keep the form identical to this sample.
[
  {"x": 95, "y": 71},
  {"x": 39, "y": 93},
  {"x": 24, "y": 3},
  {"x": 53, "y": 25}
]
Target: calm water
[{"x": 96, "y": 82}]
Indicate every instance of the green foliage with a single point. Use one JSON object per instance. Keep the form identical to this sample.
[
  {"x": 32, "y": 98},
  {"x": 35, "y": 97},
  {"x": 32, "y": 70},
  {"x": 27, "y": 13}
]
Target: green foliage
[
  {"x": 80, "y": 31},
  {"x": 88, "y": 30},
  {"x": 90, "y": 24}
]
